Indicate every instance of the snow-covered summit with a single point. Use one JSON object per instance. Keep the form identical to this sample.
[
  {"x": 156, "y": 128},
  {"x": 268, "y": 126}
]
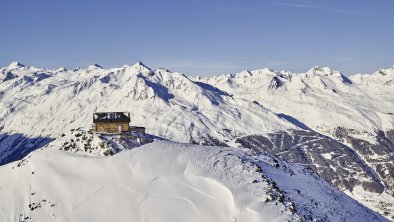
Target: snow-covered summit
[
  {"x": 325, "y": 74},
  {"x": 94, "y": 67},
  {"x": 322, "y": 71},
  {"x": 379, "y": 83},
  {"x": 15, "y": 64},
  {"x": 60, "y": 69},
  {"x": 140, "y": 66}
]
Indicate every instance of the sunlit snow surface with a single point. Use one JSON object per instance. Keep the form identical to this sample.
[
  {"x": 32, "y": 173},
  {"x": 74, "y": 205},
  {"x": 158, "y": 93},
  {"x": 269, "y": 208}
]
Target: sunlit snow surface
[{"x": 167, "y": 181}]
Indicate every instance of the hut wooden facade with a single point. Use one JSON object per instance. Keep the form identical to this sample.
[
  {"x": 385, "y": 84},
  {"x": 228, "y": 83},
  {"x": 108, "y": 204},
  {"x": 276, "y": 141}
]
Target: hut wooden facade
[{"x": 111, "y": 122}]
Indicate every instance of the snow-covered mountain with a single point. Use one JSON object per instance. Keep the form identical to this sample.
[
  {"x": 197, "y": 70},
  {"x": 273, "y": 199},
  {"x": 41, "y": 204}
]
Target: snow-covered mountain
[
  {"x": 169, "y": 104},
  {"x": 321, "y": 98},
  {"x": 340, "y": 127}
]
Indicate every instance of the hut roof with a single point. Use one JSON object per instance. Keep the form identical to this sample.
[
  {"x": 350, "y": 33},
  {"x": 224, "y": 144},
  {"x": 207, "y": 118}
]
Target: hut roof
[{"x": 111, "y": 117}]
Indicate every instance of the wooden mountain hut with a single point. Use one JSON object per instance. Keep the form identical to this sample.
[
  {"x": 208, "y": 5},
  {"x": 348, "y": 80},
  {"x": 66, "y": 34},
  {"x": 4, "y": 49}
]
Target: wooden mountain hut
[{"x": 111, "y": 122}]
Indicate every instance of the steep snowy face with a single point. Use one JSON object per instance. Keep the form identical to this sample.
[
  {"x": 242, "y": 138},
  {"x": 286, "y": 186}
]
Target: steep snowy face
[
  {"x": 40, "y": 102},
  {"x": 166, "y": 181}
]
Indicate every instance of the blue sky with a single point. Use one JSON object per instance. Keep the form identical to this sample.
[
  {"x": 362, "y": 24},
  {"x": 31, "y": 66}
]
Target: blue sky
[{"x": 200, "y": 37}]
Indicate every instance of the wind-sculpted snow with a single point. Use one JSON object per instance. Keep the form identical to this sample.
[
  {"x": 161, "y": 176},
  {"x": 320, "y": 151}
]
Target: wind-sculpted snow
[
  {"x": 159, "y": 182},
  {"x": 166, "y": 181}
]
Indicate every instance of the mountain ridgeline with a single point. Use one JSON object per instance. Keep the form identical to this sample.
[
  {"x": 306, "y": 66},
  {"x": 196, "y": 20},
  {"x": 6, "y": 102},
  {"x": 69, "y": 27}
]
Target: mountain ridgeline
[{"x": 341, "y": 128}]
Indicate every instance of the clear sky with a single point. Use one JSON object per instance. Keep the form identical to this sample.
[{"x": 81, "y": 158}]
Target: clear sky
[{"x": 200, "y": 37}]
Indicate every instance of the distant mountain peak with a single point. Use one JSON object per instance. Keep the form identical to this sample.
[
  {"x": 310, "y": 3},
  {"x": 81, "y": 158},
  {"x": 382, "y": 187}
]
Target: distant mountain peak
[
  {"x": 15, "y": 64},
  {"x": 77, "y": 69},
  {"x": 322, "y": 71},
  {"x": 141, "y": 67},
  {"x": 268, "y": 70},
  {"x": 140, "y": 64},
  {"x": 61, "y": 69},
  {"x": 94, "y": 66}
]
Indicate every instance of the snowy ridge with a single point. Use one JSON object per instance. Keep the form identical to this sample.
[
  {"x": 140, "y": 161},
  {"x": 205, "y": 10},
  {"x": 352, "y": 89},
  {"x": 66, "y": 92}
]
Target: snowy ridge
[
  {"x": 93, "y": 144},
  {"x": 166, "y": 181}
]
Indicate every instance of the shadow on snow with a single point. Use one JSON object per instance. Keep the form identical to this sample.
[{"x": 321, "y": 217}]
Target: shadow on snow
[{"x": 16, "y": 146}]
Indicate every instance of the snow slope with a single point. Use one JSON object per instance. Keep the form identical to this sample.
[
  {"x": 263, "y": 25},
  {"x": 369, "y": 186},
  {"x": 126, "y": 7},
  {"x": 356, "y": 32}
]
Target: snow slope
[{"x": 167, "y": 181}]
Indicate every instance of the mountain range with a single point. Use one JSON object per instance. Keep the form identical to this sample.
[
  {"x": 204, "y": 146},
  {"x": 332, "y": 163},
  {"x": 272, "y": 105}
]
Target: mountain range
[{"x": 333, "y": 130}]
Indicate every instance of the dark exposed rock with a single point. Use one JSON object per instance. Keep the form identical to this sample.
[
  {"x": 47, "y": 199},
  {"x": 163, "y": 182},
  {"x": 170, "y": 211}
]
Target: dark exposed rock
[
  {"x": 8, "y": 76},
  {"x": 379, "y": 155},
  {"x": 330, "y": 159},
  {"x": 207, "y": 140},
  {"x": 275, "y": 83}
]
